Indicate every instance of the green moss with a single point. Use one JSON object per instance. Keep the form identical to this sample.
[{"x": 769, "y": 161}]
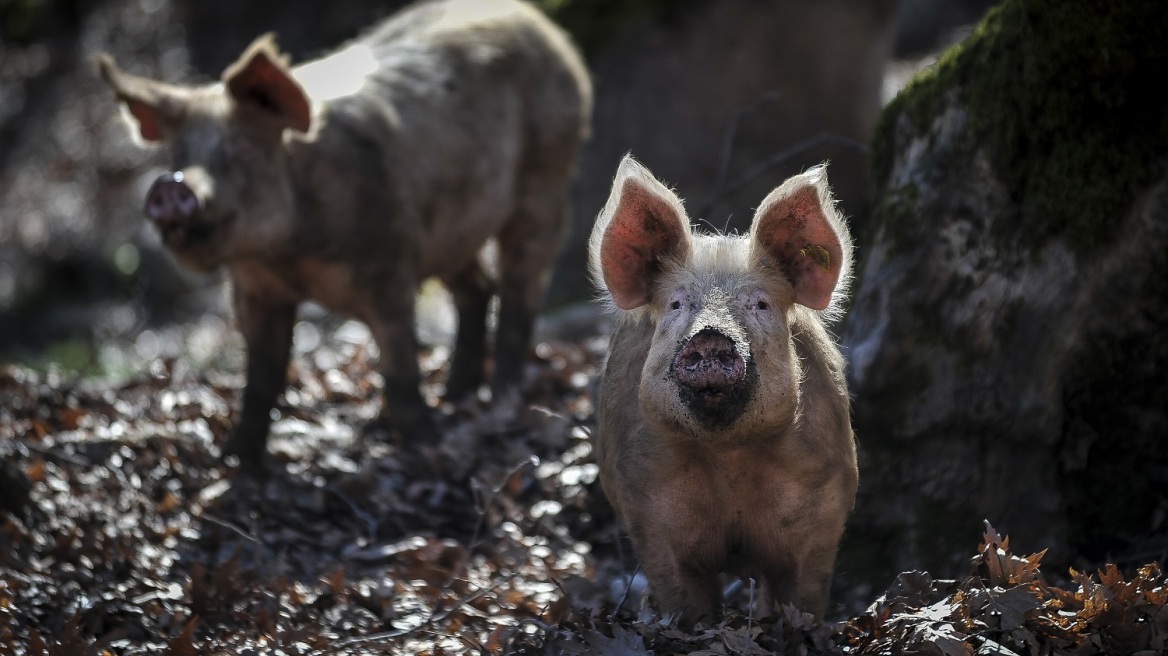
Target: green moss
[
  {"x": 22, "y": 20},
  {"x": 72, "y": 357},
  {"x": 897, "y": 215},
  {"x": 1067, "y": 101}
]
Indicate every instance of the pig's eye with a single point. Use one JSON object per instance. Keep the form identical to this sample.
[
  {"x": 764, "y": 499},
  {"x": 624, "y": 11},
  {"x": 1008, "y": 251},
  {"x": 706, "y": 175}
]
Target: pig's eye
[
  {"x": 762, "y": 305},
  {"x": 676, "y": 305}
]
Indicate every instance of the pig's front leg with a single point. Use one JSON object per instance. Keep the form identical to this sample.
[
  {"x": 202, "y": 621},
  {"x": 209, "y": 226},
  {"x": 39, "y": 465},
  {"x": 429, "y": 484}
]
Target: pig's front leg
[
  {"x": 811, "y": 584},
  {"x": 471, "y": 289},
  {"x": 679, "y": 555},
  {"x": 403, "y": 410},
  {"x": 798, "y": 569},
  {"x": 681, "y": 587},
  {"x": 267, "y": 331}
]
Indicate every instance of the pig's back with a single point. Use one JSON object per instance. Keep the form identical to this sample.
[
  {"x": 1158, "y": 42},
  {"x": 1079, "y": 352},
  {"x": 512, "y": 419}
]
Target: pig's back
[
  {"x": 435, "y": 54},
  {"x": 473, "y": 102}
]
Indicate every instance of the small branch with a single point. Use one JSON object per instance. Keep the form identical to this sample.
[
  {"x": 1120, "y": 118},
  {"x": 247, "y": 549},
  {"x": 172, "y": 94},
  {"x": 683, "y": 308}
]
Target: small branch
[
  {"x": 52, "y": 453},
  {"x": 732, "y": 134},
  {"x": 433, "y": 618},
  {"x": 750, "y": 609},
  {"x": 628, "y": 587},
  {"x": 756, "y": 171},
  {"x": 516, "y": 630},
  {"x": 232, "y": 527},
  {"x": 371, "y": 523},
  {"x": 471, "y": 643},
  {"x": 530, "y": 461}
]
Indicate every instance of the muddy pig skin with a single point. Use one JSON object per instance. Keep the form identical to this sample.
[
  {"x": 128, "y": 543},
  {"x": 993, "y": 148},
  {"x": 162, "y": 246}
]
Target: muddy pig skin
[
  {"x": 724, "y": 437},
  {"x": 350, "y": 179}
]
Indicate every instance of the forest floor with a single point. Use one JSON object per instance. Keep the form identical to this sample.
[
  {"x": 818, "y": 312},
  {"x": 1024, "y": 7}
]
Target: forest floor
[{"x": 122, "y": 532}]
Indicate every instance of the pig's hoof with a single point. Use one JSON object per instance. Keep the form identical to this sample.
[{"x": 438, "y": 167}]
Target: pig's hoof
[
  {"x": 422, "y": 429},
  {"x": 459, "y": 391}
]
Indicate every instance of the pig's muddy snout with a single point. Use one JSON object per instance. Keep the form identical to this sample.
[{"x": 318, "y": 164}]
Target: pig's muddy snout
[
  {"x": 712, "y": 377},
  {"x": 173, "y": 207}
]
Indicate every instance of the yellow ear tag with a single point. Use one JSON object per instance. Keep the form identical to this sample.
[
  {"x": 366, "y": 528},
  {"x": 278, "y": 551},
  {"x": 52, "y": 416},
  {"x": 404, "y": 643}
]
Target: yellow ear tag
[{"x": 819, "y": 254}]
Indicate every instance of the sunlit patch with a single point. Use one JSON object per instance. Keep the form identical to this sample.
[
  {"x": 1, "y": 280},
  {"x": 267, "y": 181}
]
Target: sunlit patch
[
  {"x": 458, "y": 14},
  {"x": 338, "y": 75}
]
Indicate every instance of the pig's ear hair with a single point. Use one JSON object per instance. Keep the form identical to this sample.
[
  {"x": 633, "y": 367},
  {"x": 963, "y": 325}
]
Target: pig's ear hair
[
  {"x": 797, "y": 230},
  {"x": 642, "y": 225},
  {"x": 260, "y": 77},
  {"x": 153, "y": 106}
]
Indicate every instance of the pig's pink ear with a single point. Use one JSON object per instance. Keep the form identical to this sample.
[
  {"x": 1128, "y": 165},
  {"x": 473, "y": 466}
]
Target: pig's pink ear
[
  {"x": 260, "y": 77},
  {"x": 797, "y": 230},
  {"x": 642, "y": 224},
  {"x": 153, "y": 105}
]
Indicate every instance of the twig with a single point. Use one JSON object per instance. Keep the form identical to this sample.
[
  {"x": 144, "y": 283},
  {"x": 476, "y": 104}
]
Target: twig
[
  {"x": 750, "y": 609},
  {"x": 821, "y": 139},
  {"x": 431, "y": 619},
  {"x": 436, "y": 617},
  {"x": 51, "y": 453},
  {"x": 473, "y": 644},
  {"x": 474, "y": 542},
  {"x": 230, "y": 526},
  {"x": 628, "y": 587},
  {"x": 371, "y": 522},
  {"x": 518, "y": 629},
  {"x": 732, "y": 134}
]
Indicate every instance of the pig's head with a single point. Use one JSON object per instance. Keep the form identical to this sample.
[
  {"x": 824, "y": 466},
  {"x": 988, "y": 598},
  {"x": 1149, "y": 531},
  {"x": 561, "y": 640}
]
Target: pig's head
[
  {"x": 227, "y": 195},
  {"x": 721, "y": 362}
]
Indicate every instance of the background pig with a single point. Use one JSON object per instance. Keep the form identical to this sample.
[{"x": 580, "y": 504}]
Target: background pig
[
  {"x": 724, "y": 437},
  {"x": 350, "y": 179}
]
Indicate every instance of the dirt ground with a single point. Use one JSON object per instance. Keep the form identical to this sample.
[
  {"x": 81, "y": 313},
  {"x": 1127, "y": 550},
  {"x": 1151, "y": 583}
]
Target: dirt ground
[{"x": 121, "y": 532}]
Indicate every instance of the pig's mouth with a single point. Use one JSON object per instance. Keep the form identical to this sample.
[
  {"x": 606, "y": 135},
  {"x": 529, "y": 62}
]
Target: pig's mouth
[
  {"x": 187, "y": 234},
  {"x": 190, "y": 234},
  {"x": 715, "y": 382},
  {"x": 718, "y": 407}
]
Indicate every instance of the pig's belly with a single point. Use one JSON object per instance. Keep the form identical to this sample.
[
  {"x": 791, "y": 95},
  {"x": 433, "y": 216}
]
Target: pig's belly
[
  {"x": 459, "y": 225},
  {"x": 448, "y": 251}
]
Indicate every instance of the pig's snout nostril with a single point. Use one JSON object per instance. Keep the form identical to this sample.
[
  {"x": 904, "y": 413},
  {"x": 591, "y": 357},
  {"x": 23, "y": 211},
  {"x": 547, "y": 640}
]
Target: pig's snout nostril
[
  {"x": 709, "y": 360},
  {"x": 170, "y": 200}
]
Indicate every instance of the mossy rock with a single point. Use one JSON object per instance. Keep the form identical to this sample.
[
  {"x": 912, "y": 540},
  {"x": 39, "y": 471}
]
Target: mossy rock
[
  {"x": 1067, "y": 100},
  {"x": 1009, "y": 328}
]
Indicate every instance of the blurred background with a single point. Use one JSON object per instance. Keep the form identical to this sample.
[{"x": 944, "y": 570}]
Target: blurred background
[
  {"x": 1008, "y": 331},
  {"x": 705, "y": 93}
]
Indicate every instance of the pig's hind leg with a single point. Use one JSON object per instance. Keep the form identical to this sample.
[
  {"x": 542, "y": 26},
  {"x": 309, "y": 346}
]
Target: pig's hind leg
[
  {"x": 527, "y": 247},
  {"x": 471, "y": 289}
]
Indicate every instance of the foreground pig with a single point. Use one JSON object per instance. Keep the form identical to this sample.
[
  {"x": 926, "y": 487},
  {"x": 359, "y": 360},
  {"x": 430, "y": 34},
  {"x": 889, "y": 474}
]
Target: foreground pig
[
  {"x": 350, "y": 179},
  {"x": 724, "y": 437}
]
